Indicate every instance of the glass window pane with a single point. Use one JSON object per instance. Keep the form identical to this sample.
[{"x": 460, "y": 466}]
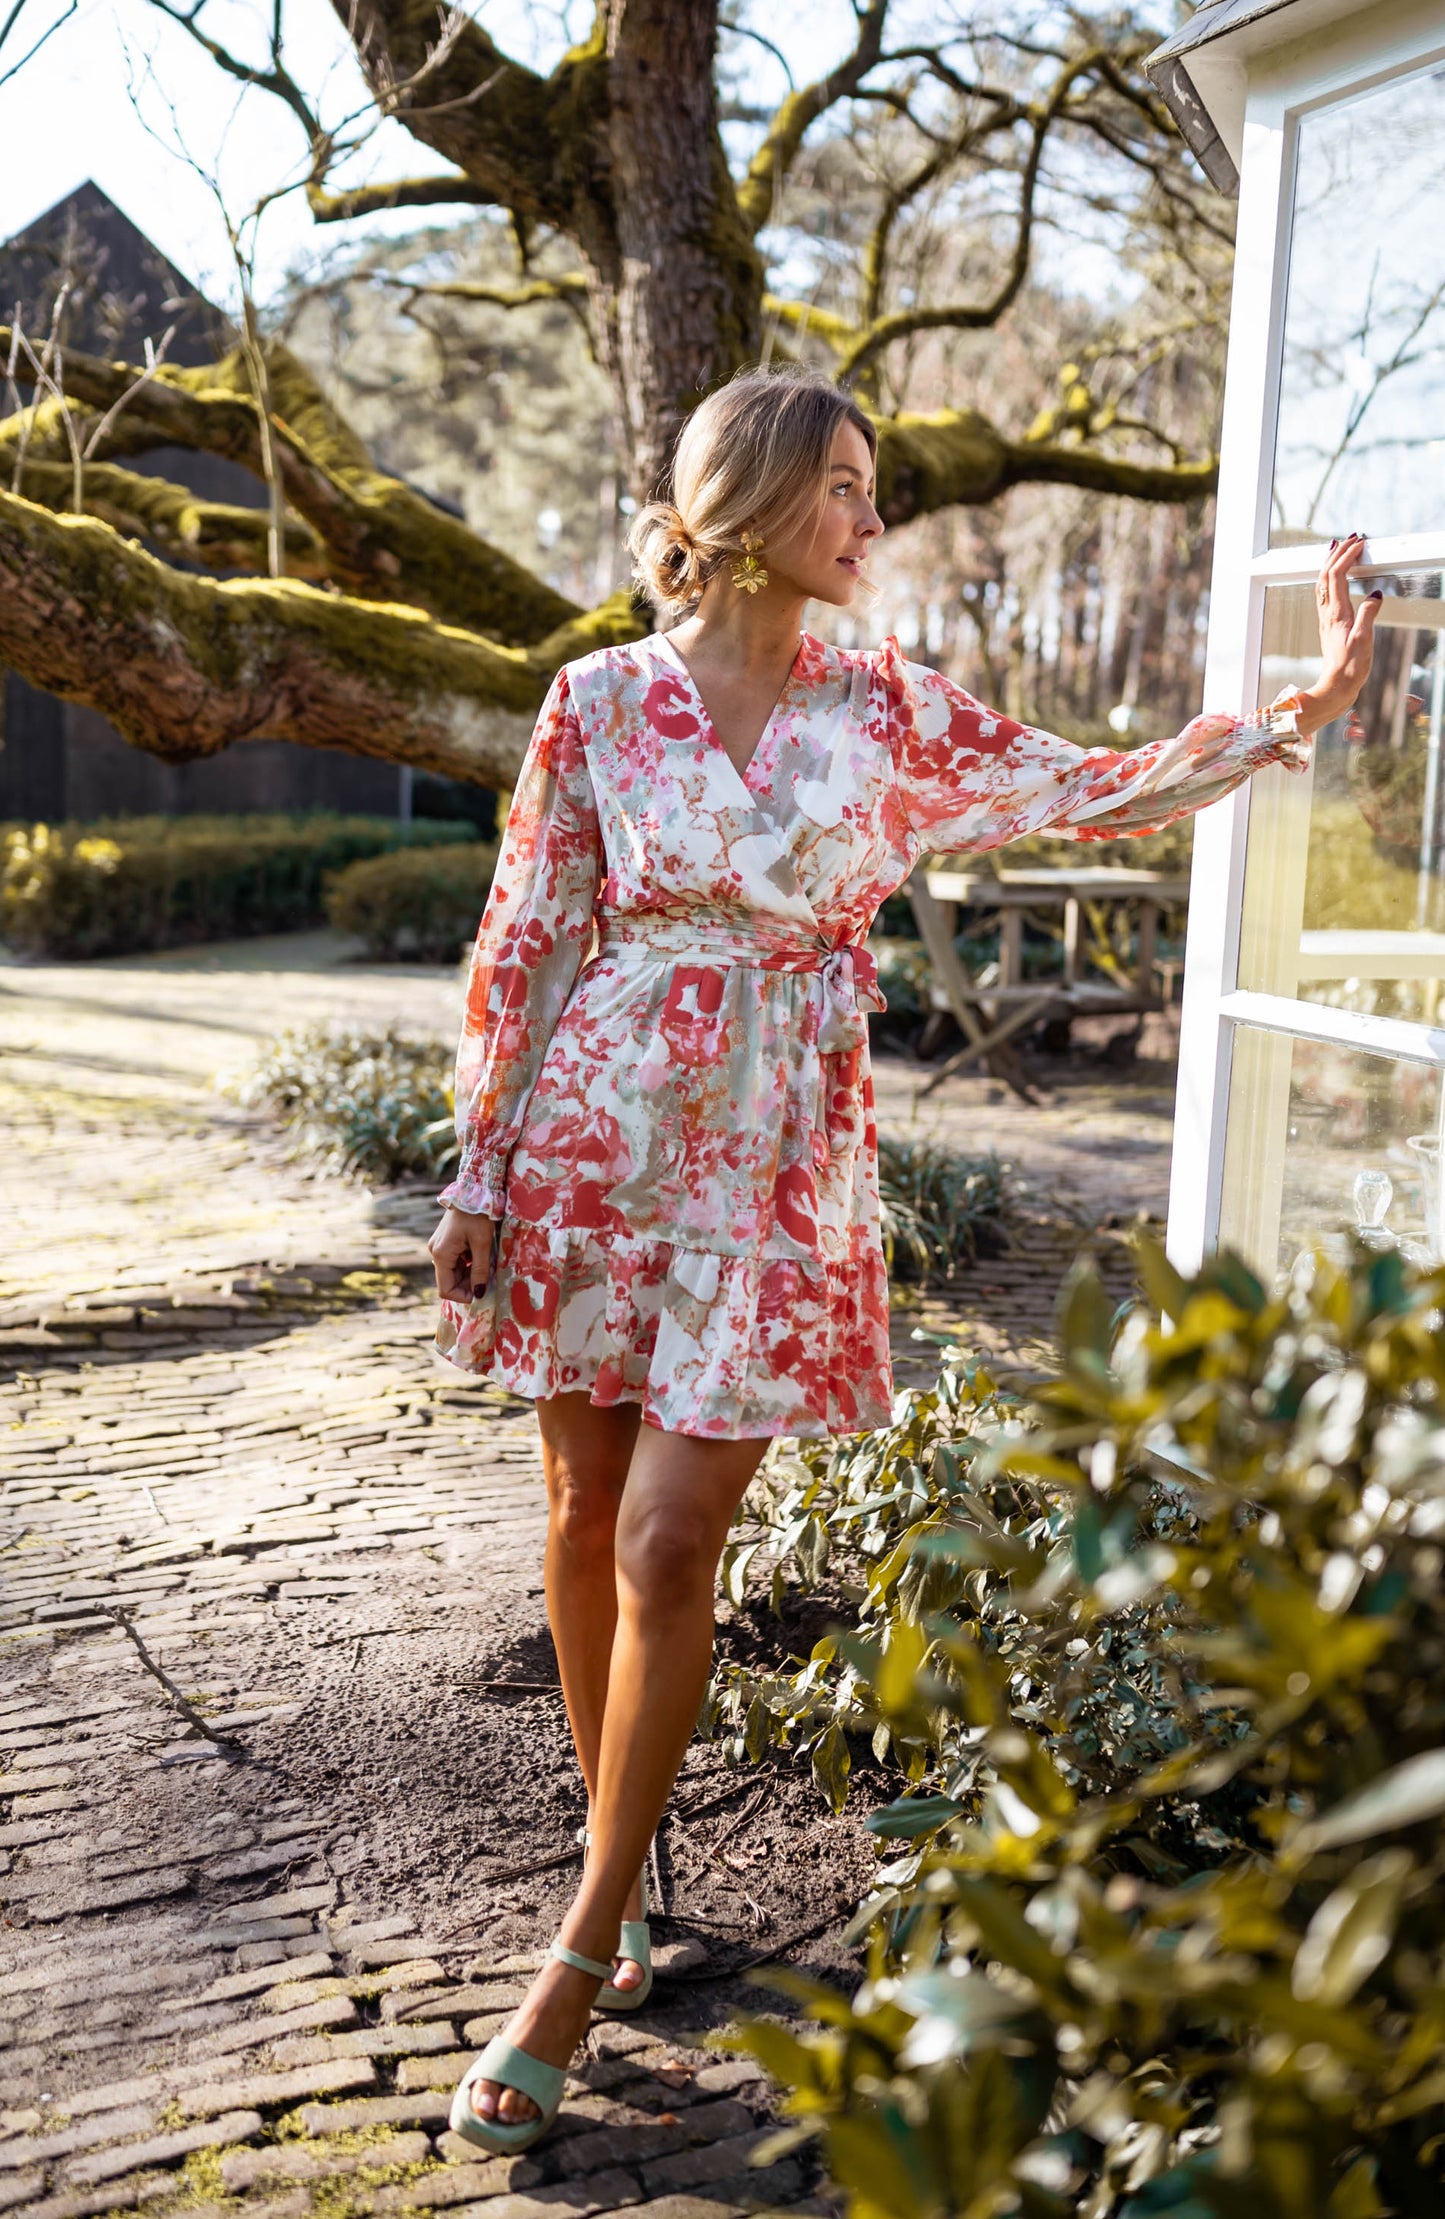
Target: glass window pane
[
  {"x": 1361, "y": 441},
  {"x": 1344, "y": 889},
  {"x": 1322, "y": 1141}
]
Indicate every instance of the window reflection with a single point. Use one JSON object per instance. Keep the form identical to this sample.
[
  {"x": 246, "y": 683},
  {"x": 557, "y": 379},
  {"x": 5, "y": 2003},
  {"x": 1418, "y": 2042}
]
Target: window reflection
[
  {"x": 1325, "y": 1143},
  {"x": 1345, "y": 879},
  {"x": 1361, "y": 440}
]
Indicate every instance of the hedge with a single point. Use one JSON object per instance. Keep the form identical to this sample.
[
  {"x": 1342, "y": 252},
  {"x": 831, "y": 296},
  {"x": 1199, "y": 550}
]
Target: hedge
[
  {"x": 417, "y": 905},
  {"x": 128, "y": 883}
]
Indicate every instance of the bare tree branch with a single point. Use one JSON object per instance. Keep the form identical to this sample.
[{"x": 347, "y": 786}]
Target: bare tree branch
[
  {"x": 979, "y": 315},
  {"x": 276, "y": 78},
  {"x": 768, "y": 170},
  {"x": 403, "y": 192},
  {"x": 8, "y": 25}
]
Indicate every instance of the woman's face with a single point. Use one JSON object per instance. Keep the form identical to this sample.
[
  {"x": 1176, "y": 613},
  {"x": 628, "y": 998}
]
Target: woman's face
[{"x": 824, "y": 560}]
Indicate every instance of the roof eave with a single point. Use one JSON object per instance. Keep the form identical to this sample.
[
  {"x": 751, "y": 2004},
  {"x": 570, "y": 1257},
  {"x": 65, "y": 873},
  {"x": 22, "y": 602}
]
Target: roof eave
[{"x": 1177, "y": 89}]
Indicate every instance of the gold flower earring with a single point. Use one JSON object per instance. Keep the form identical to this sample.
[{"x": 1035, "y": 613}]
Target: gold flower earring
[{"x": 748, "y": 573}]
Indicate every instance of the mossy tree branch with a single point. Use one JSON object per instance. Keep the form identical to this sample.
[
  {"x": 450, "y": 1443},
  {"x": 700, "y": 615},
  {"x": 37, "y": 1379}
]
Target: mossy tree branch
[
  {"x": 384, "y": 540},
  {"x": 526, "y": 140},
  {"x": 957, "y": 457},
  {"x": 531, "y": 292},
  {"x": 185, "y": 666},
  {"x": 214, "y": 534},
  {"x": 403, "y": 192}
]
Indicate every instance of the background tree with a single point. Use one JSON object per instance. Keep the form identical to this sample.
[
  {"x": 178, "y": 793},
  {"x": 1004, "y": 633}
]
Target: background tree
[{"x": 879, "y": 219}]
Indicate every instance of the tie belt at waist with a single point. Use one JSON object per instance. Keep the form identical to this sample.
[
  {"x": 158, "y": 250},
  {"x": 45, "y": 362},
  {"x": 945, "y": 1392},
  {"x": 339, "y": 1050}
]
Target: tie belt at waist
[{"x": 847, "y": 976}]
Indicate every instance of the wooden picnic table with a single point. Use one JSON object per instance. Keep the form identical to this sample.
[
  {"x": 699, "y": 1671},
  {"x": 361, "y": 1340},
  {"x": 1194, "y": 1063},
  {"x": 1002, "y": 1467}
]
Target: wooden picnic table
[{"x": 989, "y": 1016}]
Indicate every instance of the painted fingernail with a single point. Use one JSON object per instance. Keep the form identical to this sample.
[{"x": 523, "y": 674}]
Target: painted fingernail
[
  {"x": 1378, "y": 594},
  {"x": 1334, "y": 543}
]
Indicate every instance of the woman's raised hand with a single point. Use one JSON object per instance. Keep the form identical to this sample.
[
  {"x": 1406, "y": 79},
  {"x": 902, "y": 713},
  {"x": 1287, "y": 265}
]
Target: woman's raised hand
[
  {"x": 1347, "y": 637},
  {"x": 461, "y": 1253}
]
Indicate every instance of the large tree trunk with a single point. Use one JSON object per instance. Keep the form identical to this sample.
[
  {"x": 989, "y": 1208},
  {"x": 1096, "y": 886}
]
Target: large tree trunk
[
  {"x": 689, "y": 285},
  {"x": 620, "y": 149}
]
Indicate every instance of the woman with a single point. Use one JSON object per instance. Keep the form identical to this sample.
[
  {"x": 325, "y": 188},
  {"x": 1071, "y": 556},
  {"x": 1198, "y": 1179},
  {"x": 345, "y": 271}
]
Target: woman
[{"x": 674, "y": 1132}]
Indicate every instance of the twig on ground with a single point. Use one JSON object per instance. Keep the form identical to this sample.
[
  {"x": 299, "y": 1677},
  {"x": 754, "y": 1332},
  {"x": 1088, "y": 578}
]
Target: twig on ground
[
  {"x": 571, "y": 1856},
  {"x": 235, "y": 1752},
  {"x": 370, "y": 1633},
  {"x": 535, "y": 1864},
  {"x": 655, "y": 1871},
  {"x": 150, "y": 1498},
  {"x": 764, "y": 1957},
  {"x": 711, "y": 1802},
  {"x": 511, "y": 1687},
  {"x": 741, "y": 1820}
]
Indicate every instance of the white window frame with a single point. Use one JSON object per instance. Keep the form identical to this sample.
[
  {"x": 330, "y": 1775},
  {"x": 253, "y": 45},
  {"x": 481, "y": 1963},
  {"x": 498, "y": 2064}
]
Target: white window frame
[{"x": 1387, "y": 39}]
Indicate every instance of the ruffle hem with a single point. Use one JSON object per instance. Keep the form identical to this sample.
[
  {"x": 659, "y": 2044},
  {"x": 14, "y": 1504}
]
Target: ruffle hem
[{"x": 725, "y": 1347}]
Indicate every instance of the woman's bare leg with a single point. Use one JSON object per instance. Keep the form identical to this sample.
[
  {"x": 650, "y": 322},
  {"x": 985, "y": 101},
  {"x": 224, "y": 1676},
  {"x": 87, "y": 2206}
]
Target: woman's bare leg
[
  {"x": 676, "y": 1508},
  {"x": 585, "y": 1457}
]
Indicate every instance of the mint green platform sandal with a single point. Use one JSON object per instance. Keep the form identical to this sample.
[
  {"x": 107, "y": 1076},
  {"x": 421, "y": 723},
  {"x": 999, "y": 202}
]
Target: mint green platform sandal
[
  {"x": 635, "y": 1941},
  {"x": 502, "y": 2061}
]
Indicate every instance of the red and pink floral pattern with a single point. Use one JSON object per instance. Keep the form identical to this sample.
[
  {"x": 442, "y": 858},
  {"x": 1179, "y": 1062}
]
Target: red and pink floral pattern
[{"x": 662, "y": 1084}]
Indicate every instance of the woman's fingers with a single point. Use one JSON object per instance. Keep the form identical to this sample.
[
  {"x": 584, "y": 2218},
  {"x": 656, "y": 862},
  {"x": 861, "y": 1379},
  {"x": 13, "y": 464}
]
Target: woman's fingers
[
  {"x": 450, "y": 1251},
  {"x": 1360, "y": 646},
  {"x": 1335, "y": 605},
  {"x": 461, "y": 1252}
]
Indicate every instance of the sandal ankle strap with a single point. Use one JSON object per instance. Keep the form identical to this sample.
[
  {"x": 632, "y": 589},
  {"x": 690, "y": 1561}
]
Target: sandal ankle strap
[{"x": 575, "y": 1958}]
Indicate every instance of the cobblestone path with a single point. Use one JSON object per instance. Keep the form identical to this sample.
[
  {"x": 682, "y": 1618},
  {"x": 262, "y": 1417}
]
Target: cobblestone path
[{"x": 274, "y": 1675}]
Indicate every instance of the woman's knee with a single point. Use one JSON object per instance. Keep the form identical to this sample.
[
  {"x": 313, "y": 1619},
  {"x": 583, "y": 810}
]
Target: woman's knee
[
  {"x": 665, "y": 1555},
  {"x": 583, "y": 1505}
]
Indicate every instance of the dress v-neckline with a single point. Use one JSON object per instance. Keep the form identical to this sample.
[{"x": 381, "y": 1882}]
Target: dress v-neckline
[{"x": 764, "y": 739}]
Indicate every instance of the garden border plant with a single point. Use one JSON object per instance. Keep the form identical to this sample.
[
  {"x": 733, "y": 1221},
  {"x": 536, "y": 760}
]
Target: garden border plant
[{"x": 1160, "y": 1659}]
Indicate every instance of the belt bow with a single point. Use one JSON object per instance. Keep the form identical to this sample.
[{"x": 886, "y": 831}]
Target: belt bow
[{"x": 849, "y": 980}]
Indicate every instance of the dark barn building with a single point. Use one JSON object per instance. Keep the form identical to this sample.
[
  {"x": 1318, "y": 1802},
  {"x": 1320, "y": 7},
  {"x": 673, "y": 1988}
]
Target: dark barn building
[{"x": 60, "y": 760}]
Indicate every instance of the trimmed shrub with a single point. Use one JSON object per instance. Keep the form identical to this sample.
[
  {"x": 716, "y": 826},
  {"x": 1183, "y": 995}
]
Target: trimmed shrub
[
  {"x": 421, "y": 905},
  {"x": 1158, "y": 1663},
  {"x": 128, "y": 883}
]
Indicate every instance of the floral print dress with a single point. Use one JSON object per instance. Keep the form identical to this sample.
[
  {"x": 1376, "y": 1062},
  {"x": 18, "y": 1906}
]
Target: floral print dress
[{"x": 663, "y": 1090}]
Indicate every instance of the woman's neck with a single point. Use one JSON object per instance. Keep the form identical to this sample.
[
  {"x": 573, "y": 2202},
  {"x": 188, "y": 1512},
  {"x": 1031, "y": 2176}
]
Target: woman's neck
[{"x": 754, "y": 635}]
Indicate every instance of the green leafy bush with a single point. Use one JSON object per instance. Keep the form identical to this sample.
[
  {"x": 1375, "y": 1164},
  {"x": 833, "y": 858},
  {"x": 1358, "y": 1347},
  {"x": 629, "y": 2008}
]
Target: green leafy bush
[
  {"x": 940, "y": 1209},
  {"x": 1160, "y": 1661},
  {"x": 422, "y": 905},
  {"x": 376, "y": 1105},
  {"x": 127, "y": 883}
]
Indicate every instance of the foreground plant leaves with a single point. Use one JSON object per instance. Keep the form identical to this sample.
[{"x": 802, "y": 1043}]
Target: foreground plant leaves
[{"x": 1158, "y": 1662}]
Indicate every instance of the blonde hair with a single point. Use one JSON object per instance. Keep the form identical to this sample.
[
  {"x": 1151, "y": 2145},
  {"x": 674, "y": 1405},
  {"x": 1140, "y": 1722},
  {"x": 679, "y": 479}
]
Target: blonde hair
[{"x": 753, "y": 457}]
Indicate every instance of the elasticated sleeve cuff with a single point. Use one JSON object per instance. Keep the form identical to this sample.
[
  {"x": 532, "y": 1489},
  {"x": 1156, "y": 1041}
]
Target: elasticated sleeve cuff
[{"x": 479, "y": 1188}]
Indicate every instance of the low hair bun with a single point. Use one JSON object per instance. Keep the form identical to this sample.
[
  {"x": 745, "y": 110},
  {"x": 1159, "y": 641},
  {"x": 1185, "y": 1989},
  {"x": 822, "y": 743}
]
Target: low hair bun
[{"x": 667, "y": 560}]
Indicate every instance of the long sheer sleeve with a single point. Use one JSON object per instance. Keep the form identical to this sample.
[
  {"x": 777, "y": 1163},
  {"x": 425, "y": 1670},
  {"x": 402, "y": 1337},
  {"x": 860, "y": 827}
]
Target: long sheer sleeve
[
  {"x": 534, "y": 936},
  {"x": 969, "y": 778}
]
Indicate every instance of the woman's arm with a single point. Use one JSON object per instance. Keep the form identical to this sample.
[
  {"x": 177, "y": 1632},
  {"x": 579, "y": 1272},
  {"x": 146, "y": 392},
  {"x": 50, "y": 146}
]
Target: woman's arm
[
  {"x": 533, "y": 938},
  {"x": 970, "y": 778}
]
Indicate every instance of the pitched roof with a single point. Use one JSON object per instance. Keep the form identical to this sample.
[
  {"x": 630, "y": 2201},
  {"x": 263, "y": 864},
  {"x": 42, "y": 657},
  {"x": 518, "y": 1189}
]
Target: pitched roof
[{"x": 124, "y": 290}]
